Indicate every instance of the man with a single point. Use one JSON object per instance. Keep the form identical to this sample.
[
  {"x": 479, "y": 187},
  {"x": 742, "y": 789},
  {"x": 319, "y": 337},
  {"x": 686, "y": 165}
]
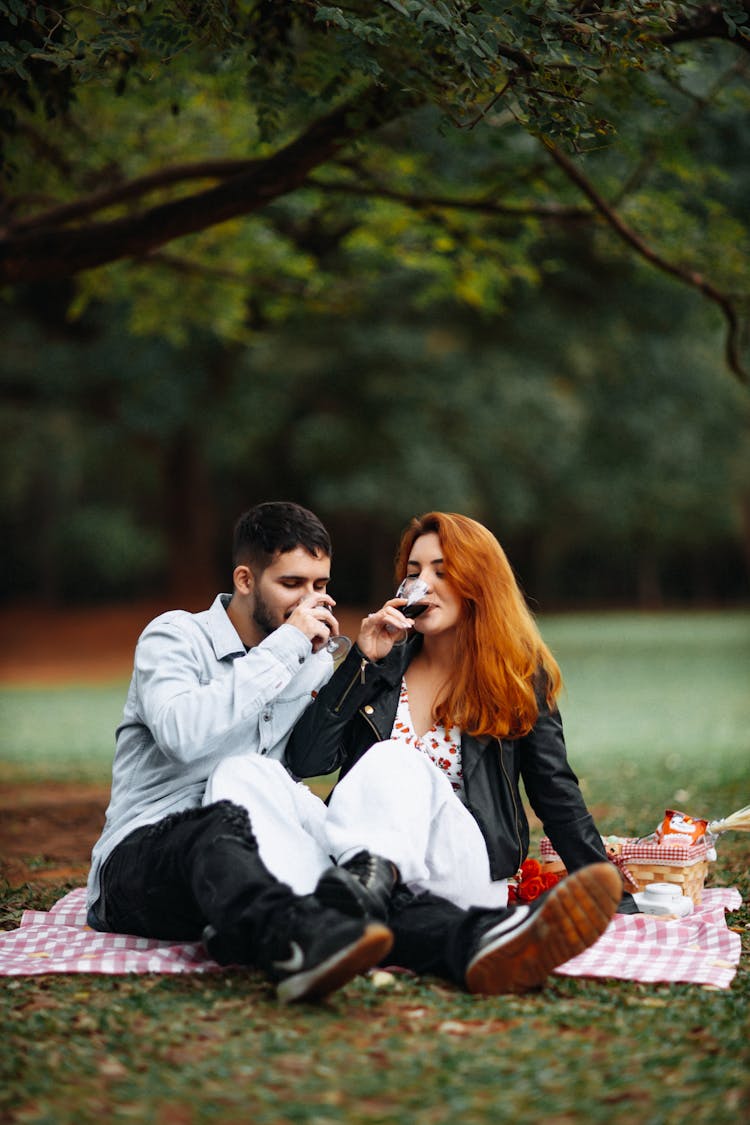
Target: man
[{"x": 230, "y": 680}]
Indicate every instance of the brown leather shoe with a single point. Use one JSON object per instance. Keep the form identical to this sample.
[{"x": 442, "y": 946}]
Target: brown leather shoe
[{"x": 519, "y": 952}]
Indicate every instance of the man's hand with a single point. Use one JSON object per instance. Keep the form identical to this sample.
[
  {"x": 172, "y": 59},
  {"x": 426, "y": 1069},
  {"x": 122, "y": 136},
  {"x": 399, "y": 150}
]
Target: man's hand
[
  {"x": 381, "y": 630},
  {"x": 313, "y": 617}
]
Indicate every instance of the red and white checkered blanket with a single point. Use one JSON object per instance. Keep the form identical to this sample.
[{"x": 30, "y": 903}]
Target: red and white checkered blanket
[{"x": 699, "y": 949}]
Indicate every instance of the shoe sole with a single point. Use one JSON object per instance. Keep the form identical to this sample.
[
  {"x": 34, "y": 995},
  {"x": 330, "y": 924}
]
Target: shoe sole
[
  {"x": 575, "y": 913},
  {"x": 320, "y": 981}
]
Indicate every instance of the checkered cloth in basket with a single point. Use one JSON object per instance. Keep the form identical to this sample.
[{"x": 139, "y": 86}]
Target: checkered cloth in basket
[{"x": 642, "y": 862}]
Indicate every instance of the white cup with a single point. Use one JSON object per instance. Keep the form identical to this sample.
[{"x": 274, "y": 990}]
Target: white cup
[{"x": 663, "y": 898}]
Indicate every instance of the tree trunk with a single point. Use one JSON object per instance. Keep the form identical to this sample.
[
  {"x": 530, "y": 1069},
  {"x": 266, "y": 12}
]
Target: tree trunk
[
  {"x": 648, "y": 579},
  {"x": 745, "y": 524},
  {"x": 190, "y": 522}
]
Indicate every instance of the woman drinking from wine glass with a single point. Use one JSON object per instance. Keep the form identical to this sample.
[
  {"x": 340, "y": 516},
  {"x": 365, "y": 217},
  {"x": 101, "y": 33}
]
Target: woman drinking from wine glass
[{"x": 433, "y": 720}]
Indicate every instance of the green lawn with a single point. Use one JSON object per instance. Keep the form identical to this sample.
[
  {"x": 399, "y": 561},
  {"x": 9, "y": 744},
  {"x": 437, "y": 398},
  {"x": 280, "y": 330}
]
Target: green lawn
[
  {"x": 60, "y": 733},
  {"x": 661, "y": 704},
  {"x": 657, "y": 713}
]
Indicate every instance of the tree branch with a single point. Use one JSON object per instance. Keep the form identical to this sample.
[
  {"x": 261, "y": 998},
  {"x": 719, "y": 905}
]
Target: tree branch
[
  {"x": 706, "y": 23},
  {"x": 553, "y": 211},
  {"x": 133, "y": 189},
  {"x": 687, "y": 277},
  {"x": 653, "y": 145},
  {"x": 51, "y": 253}
]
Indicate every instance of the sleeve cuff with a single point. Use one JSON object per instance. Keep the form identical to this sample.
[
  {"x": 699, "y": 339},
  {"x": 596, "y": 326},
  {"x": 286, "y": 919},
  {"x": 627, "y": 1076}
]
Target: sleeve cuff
[{"x": 289, "y": 645}]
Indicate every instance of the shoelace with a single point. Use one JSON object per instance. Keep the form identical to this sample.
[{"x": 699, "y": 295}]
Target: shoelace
[{"x": 365, "y": 870}]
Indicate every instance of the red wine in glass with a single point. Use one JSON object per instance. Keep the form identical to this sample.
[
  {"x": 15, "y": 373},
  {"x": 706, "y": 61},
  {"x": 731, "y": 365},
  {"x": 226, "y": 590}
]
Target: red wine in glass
[{"x": 414, "y": 590}]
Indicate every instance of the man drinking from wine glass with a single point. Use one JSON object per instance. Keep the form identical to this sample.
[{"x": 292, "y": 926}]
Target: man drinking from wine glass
[{"x": 230, "y": 681}]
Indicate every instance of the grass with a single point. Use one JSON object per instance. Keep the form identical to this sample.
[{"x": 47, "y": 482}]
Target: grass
[
  {"x": 656, "y": 713},
  {"x": 60, "y": 733},
  {"x": 661, "y": 703}
]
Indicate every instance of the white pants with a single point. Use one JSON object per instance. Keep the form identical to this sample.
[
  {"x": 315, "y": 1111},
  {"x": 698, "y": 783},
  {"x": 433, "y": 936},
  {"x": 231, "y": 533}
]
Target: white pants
[
  {"x": 397, "y": 804},
  {"x": 394, "y": 802},
  {"x": 287, "y": 819}
]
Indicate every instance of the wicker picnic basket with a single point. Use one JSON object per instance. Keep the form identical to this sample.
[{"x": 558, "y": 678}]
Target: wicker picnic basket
[{"x": 642, "y": 862}]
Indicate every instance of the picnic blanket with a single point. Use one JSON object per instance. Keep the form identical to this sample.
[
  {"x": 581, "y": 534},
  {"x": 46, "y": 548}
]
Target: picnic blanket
[{"x": 699, "y": 949}]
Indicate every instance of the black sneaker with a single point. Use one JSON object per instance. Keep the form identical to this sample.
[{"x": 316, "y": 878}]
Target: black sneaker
[
  {"x": 309, "y": 950},
  {"x": 360, "y": 887},
  {"x": 519, "y": 952},
  {"x": 312, "y": 951}
]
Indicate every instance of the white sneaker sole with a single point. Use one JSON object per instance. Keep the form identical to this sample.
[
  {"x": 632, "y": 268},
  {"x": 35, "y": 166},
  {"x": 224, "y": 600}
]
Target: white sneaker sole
[
  {"x": 337, "y": 970},
  {"x": 575, "y": 913}
]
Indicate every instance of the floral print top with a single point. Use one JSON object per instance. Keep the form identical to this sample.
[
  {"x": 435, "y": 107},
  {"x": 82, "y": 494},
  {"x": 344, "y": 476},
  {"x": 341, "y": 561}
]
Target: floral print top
[{"x": 442, "y": 747}]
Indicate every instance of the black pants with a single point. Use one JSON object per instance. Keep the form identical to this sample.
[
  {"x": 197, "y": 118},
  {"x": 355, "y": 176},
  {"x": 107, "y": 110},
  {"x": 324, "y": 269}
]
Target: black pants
[
  {"x": 192, "y": 869},
  {"x": 432, "y": 937},
  {"x": 202, "y": 867}
]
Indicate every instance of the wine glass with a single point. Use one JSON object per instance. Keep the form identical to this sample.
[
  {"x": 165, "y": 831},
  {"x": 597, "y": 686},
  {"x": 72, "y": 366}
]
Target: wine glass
[
  {"x": 338, "y": 646},
  {"x": 414, "y": 589}
]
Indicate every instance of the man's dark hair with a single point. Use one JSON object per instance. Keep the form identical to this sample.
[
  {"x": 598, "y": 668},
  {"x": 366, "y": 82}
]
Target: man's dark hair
[{"x": 274, "y": 528}]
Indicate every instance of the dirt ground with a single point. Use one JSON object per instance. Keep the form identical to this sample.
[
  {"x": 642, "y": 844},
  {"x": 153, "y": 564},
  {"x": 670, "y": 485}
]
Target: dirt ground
[{"x": 47, "y": 830}]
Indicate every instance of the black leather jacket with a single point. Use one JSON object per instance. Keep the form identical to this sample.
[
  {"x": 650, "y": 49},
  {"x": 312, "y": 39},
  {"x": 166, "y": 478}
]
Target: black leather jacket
[{"x": 357, "y": 707}]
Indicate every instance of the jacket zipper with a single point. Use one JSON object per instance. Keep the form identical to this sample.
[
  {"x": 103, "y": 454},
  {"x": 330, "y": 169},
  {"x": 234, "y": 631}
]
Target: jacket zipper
[
  {"x": 359, "y": 676},
  {"x": 515, "y": 804},
  {"x": 371, "y": 725}
]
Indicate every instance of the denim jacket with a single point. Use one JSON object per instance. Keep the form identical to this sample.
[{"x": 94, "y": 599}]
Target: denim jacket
[{"x": 195, "y": 698}]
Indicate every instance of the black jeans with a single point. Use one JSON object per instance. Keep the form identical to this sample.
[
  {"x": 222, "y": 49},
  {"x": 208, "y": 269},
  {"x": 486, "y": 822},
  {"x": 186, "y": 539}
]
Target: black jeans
[
  {"x": 192, "y": 869},
  {"x": 433, "y": 937}
]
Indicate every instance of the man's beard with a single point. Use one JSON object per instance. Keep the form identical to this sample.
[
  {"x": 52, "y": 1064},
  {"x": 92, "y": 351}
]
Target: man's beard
[{"x": 262, "y": 616}]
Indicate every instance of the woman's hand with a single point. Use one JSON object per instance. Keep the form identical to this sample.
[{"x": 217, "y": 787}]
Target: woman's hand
[{"x": 379, "y": 631}]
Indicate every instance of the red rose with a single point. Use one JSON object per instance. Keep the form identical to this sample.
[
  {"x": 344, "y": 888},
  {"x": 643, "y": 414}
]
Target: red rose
[
  {"x": 531, "y": 889},
  {"x": 530, "y": 868}
]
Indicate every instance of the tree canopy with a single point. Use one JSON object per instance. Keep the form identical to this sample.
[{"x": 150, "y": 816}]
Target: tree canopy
[
  {"x": 255, "y": 155},
  {"x": 379, "y": 257}
]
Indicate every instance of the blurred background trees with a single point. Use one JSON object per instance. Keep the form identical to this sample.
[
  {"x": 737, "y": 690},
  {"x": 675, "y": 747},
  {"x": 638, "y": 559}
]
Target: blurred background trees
[{"x": 376, "y": 258}]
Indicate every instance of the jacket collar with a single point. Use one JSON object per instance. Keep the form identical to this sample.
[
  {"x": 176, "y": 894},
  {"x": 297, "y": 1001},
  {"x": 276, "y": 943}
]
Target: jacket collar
[{"x": 224, "y": 637}]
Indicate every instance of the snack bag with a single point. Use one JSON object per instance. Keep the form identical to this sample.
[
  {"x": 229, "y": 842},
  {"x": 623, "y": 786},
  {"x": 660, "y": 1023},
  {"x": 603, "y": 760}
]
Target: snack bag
[{"x": 679, "y": 828}]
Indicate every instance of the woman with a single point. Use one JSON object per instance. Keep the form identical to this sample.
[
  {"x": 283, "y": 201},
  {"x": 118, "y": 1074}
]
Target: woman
[{"x": 433, "y": 736}]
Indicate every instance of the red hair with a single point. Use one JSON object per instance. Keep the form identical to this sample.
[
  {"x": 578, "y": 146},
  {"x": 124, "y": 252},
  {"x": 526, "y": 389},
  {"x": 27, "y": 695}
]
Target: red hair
[{"x": 500, "y": 654}]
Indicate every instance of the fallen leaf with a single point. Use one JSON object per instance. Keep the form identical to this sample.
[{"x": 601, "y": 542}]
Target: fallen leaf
[
  {"x": 453, "y": 1027},
  {"x": 111, "y": 1067},
  {"x": 382, "y": 979}
]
